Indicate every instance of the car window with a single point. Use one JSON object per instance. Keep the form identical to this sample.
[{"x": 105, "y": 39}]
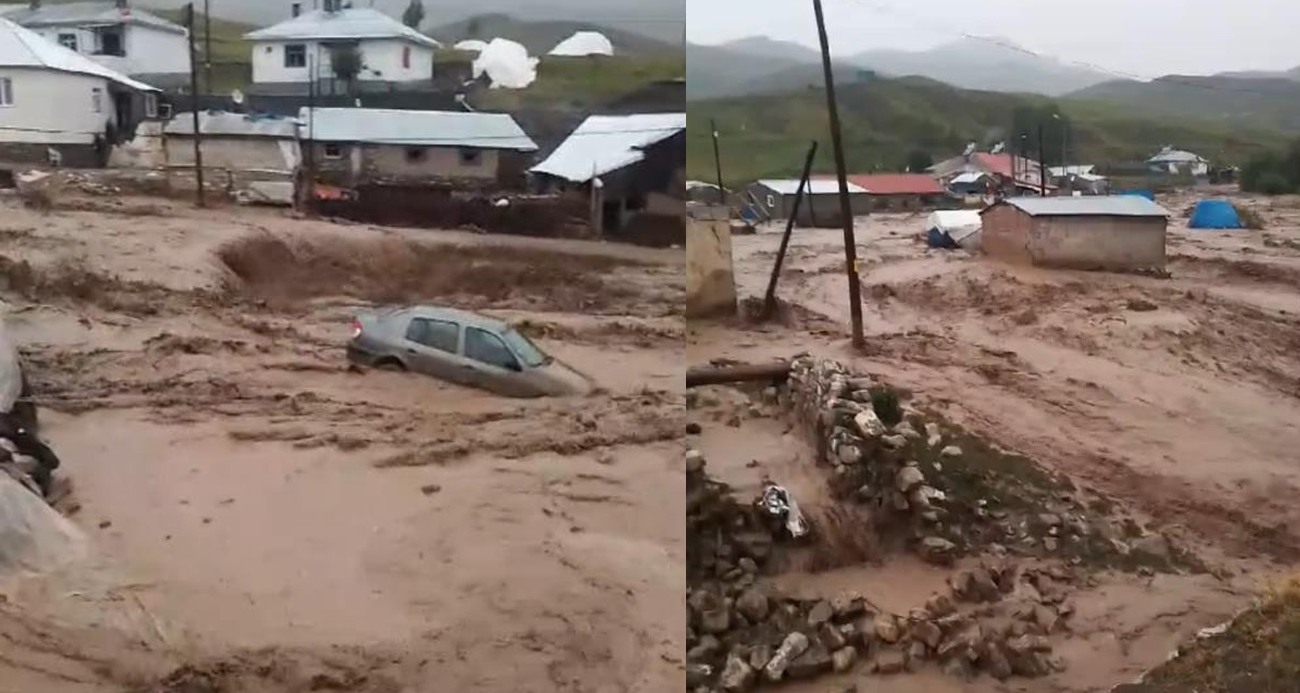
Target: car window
[
  {"x": 485, "y": 347},
  {"x": 528, "y": 352},
  {"x": 438, "y": 334}
]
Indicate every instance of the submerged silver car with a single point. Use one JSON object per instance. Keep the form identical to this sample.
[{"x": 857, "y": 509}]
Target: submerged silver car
[{"x": 460, "y": 347}]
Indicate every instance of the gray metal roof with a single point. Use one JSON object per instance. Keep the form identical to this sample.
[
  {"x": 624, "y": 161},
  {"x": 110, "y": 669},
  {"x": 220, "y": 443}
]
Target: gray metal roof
[
  {"x": 415, "y": 128},
  {"x": 347, "y": 23},
  {"x": 89, "y": 13},
  {"x": 218, "y": 123},
  {"x": 604, "y": 143},
  {"x": 22, "y": 47},
  {"x": 816, "y": 186},
  {"x": 1085, "y": 205}
]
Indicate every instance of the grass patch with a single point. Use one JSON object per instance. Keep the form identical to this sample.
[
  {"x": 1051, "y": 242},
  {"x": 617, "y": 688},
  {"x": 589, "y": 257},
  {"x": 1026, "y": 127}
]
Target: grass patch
[{"x": 584, "y": 81}]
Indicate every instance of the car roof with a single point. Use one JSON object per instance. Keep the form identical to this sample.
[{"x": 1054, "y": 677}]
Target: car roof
[{"x": 463, "y": 317}]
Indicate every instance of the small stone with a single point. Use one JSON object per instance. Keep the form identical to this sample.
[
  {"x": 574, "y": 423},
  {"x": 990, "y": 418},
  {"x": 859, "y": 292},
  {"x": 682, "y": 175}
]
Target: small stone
[
  {"x": 698, "y": 675},
  {"x": 737, "y": 676},
  {"x": 832, "y": 638},
  {"x": 843, "y": 659},
  {"x": 1153, "y": 545},
  {"x": 916, "y": 652},
  {"x": 996, "y": 663},
  {"x": 1140, "y": 305},
  {"x": 864, "y": 493},
  {"x": 957, "y": 667},
  {"x": 939, "y": 605},
  {"x": 963, "y": 585},
  {"x": 908, "y": 478},
  {"x": 986, "y": 589},
  {"x": 928, "y": 633},
  {"x": 931, "y": 430},
  {"x": 693, "y": 429},
  {"x": 1046, "y": 618},
  {"x": 734, "y": 421},
  {"x": 759, "y": 656},
  {"x": 848, "y": 454},
  {"x": 753, "y": 605},
  {"x": 813, "y": 662},
  {"x": 694, "y": 461},
  {"x": 430, "y": 489},
  {"x": 1029, "y": 643},
  {"x": 770, "y": 395},
  {"x": 868, "y": 424},
  {"x": 820, "y": 613},
  {"x": 886, "y": 628},
  {"x": 1048, "y": 520},
  {"x": 747, "y": 565},
  {"x": 934, "y": 441},
  {"x": 894, "y": 442},
  {"x": 705, "y": 649},
  {"x": 795, "y": 644},
  {"x": 889, "y": 662},
  {"x": 950, "y": 451},
  {"x": 938, "y": 551},
  {"x": 906, "y": 430},
  {"x": 1051, "y": 544}
]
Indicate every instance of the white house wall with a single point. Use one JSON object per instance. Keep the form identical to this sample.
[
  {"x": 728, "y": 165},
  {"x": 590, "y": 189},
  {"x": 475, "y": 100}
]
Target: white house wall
[
  {"x": 382, "y": 59},
  {"x": 148, "y": 50},
  {"x": 54, "y": 107}
]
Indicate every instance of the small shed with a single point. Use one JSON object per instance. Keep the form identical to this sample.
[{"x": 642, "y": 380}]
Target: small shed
[
  {"x": 235, "y": 141},
  {"x": 1102, "y": 233},
  {"x": 821, "y": 203},
  {"x": 901, "y": 191}
]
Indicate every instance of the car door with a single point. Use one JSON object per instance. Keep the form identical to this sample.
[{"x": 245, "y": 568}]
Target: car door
[
  {"x": 494, "y": 366},
  {"x": 431, "y": 347}
]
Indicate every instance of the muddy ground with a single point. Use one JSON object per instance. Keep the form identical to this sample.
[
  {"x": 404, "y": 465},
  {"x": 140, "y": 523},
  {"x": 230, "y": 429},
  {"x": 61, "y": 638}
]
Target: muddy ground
[
  {"x": 264, "y": 518},
  {"x": 1177, "y": 399}
]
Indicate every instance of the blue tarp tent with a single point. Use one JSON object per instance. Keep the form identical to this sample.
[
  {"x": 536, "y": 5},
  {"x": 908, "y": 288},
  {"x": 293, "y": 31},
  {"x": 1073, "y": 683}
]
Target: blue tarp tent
[
  {"x": 1215, "y": 214},
  {"x": 1140, "y": 192}
]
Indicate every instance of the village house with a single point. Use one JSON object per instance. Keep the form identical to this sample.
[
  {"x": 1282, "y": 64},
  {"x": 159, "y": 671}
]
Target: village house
[
  {"x": 1096, "y": 233},
  {"x": 287, "y": 56},
  {"x": 123, "y": 38},
  {"x": 901, "y": 191},
  {"x": 630, "y": 167},
  {"x": 353, "y": 147},
  {"x": 60, "y": 107},
  {"x": 1012, "y": 175},
  {"x": 973, "y": 184},
  {"x": 820, "y": 205},
  {"x": 235, "y": 142},
  {"x": 1172, "y": 161}
]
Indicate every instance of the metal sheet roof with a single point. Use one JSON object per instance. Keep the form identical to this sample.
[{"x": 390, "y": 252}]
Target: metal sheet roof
[
  {"x": 80, "y": 13},
  {"x": 1169, "y": 154},
  {"x": 969, "y": 177},
  {"x": 416, "y": 128},
  {"x": 607, "y": 143},
  {"x": 21, "y": 47},
  {"x": 233, "y": 124},
  {"x": 816, "y": 186},
  {"x": 347, "y": 23},
  {"x": 1101, "y": 205}
]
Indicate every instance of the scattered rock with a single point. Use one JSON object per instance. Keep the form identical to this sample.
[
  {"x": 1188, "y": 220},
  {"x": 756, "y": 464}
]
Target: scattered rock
[
  {"x": 916, "y": 652},
  {"x": 958, "y": 667},
  {"x": 698, "y": 675},
  {"x": 868, "y": 424},
  {"x": 950, "y": 451},
  {"x": 1046, "y": 618},
  {"x": 693, "y": 429},
  {"x": 1141, "y": 305},
  {"x": 694, "y": 461},
  {"x": 1154, "y": 545},
  {"x": 908, "y": 478},
  {"x": 848, "y": 454},
  {"x": 759, "y": 656},
  {"x": 996, "y": 663},
  {"x": 932, "y": 430},
  {"x": 934, "y": 441},
  {"x": 939, "y": 605},
  {"x": 847, "y": 606},
  {"x": 707, "y": 648},
  {"x": 795, "y": 644},
  {"x": 753, "y": 605},
  {"x": 894, "y": 442},
  {"x": 906, "y": 430},
  {"x": 747, "y": 565},
  {"x": 820, "y": 613},
  {"x": 430, "y": 489},
  {"x": 938, "y": 551},
  {"x": 986, "y": 589},
  {"x": 886, "y": 628},
  {"x": 843, "y": 659},
  {"x": 928, "y": 633},
  {"x": 1051, "y": 544},
  {"x": 889, "y": 662},
  {"x": 737, "y": 676},
  {"x": 832, "y": 638},
  {"x": 813, "y": 662}
]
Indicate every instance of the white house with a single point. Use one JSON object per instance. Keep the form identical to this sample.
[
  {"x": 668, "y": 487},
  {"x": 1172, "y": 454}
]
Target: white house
[
  {"x": 286, "y": 55},
  {"x": 1175, "y": 161},
  {"x": 59, "y": 106},
  {"x": 114, "y": 34}
]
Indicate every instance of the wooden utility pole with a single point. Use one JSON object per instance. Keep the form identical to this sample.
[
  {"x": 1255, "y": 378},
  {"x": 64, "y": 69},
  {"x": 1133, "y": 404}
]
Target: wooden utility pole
[
  {"x": 717, "y": 162},
  {"x": 194, "y": 109},
  {"x": 1042, "y": 167},
  {"x": 846, "y": 209},
  {"x": 207, "y": 46},
  {"x": 769, "y": 300}
]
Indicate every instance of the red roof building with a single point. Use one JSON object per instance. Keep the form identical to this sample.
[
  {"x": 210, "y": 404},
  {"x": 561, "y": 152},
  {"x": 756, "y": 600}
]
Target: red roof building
[{"x": 898, "y": 190}]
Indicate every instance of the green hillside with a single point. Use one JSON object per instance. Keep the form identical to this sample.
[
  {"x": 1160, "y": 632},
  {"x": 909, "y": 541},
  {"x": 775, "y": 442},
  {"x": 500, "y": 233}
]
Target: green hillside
[
  {"x": 584, "y": 82},
  {"x": 1267, "y": 101},
  {"x": 885, "y": 119},
  {"x": 541, "y": 36}
]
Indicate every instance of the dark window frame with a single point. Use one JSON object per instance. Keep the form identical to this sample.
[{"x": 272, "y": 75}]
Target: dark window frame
[
  {"x": 470, "y": 156},
  {"x": 471, "y": 332},
  {"x": 299, "y": 53},
  {"x": 422, "y": 337}
]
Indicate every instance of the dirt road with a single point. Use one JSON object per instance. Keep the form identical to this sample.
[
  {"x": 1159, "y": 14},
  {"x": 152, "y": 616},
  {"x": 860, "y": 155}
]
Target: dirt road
[
  {"x": 265, "y": 515},
  {"x": 1178, "y": 398}
]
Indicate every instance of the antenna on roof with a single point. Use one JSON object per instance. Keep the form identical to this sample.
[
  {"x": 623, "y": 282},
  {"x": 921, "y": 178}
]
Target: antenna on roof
[
  {"x": 997, "y": 148},
  {"x": 970, "y": 149}
]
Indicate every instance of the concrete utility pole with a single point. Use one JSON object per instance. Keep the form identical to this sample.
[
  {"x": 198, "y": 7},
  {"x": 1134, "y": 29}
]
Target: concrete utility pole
[
  {"x": 717, "y": 162},
  {"x": 846, "y": 209},
  {"x": 194, "y": 109},
  {"x": 1042, "y": 167}
]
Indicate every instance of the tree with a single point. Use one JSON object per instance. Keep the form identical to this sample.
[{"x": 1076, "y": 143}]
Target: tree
[
  {"x": 918, "y": 160},
  {"x": 347, "y": 63},
  {"x": 413, "y": 16}
]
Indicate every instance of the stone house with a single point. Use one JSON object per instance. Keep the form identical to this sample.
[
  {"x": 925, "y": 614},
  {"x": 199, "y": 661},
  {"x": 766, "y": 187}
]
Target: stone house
[{"x": 1117, "y": 233}]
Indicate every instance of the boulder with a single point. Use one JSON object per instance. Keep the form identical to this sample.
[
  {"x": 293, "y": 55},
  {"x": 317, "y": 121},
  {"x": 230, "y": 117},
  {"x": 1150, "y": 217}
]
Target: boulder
[
  {"x": 848, "y": 606},
  {"x": 843, "y": 659},
  {"x": 868, "y": 424},
  {"x": 950, "y": 451},
  {"x": 939, "y": 604},
  {"x": 932, "y": 430},
  {"x": 759, "y": 655},
  {"x": 698, "y": 675},
  {"x": 996, "y": 663},
  {"x": 694, "y": 461},
  {"x": 794, "y": 645},
  {"x": 707, "y": 648},
  {"x": 889, "y": 662},
  {"x": 747, "y": 565},
  {"x": 831, "y": 637},
  {"x": 934, "y": 441},
  {"x": 815, "y": 661},
  {"x": 928, "y": 633},
  {"x": 848, "y": 454},
  {"x": 886, "y": 628},
  {"x": 1154, "y": 545},
  {"x": 753, "y": 605},
  {"x": 737, "y": 676},
  {"x": 820, "y": 613},
  {"x": 916, "y": 652},
  {"x": 906, "y": 430},
  {"x": 938, "y": 551},
  {"x": 986, "y": 588},
  {"x": 1046, "y": 618},
  {"x": 894, "y": 441},
  {"x": 908, "y": 478}
]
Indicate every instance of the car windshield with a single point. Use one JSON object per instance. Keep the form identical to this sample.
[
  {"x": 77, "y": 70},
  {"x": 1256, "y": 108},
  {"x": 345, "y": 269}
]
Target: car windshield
[{"x": 528, "y": 353}]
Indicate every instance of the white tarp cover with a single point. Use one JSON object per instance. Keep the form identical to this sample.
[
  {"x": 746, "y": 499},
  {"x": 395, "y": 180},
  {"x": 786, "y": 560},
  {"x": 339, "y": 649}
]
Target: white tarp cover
[
  {"x": 963, "y": 226},
  {"x": 20, "y": 47},
  {"x": 471, "y": 45},
  {"x": 584, "y": 43},
  {"x": 506, "y": 64},
  {"x": 33, "y": 536},
  {"x": 607, "y": 143}
]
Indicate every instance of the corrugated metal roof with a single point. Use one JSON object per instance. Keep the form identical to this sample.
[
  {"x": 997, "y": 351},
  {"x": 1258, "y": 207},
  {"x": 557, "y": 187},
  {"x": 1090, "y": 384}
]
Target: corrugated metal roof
[
  {"x": 897, "y": 183},
  {"x": 416, "y": 128},
  {"x": 233, "y": 125},
  {"x": 21, "y": 47},
  {"x": 347, "y": 23},
  {"x": 79, "y": 13},
  {"x": 816, "y": 186},
  {"x": 607, "y": 143},
  {"x": 969, "y": 177},
  {"x": 1170, "y": 155},
  {"x": 1100, "y": 205}
]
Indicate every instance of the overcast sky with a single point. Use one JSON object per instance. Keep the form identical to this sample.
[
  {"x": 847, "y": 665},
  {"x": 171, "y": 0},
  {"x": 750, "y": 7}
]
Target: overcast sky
[{"x": 1142, "y": 37}]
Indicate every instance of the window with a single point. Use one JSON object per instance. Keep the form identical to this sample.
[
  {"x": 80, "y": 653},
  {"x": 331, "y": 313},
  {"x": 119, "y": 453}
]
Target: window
[
  {"x": 528, "y": 352},
  {"x": 295, "y": 55},
  {"x": 110, "y": 42},
  {"x": 6, "y": 91},
  {"x": 485, "y": 347},
  {"x": 436, "y": 334},
  {"x": 97, "y": 100},
  {"x": 333, "y": 151},
  {"x": 68, "y": 41},
  {"x": 771, "y": 200},
  {"x": 415, "y": 155},
  {"x": 471, "y": 157},
  {"x": 151, "y": 105},
  {"x": 406, "y": 57}
]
